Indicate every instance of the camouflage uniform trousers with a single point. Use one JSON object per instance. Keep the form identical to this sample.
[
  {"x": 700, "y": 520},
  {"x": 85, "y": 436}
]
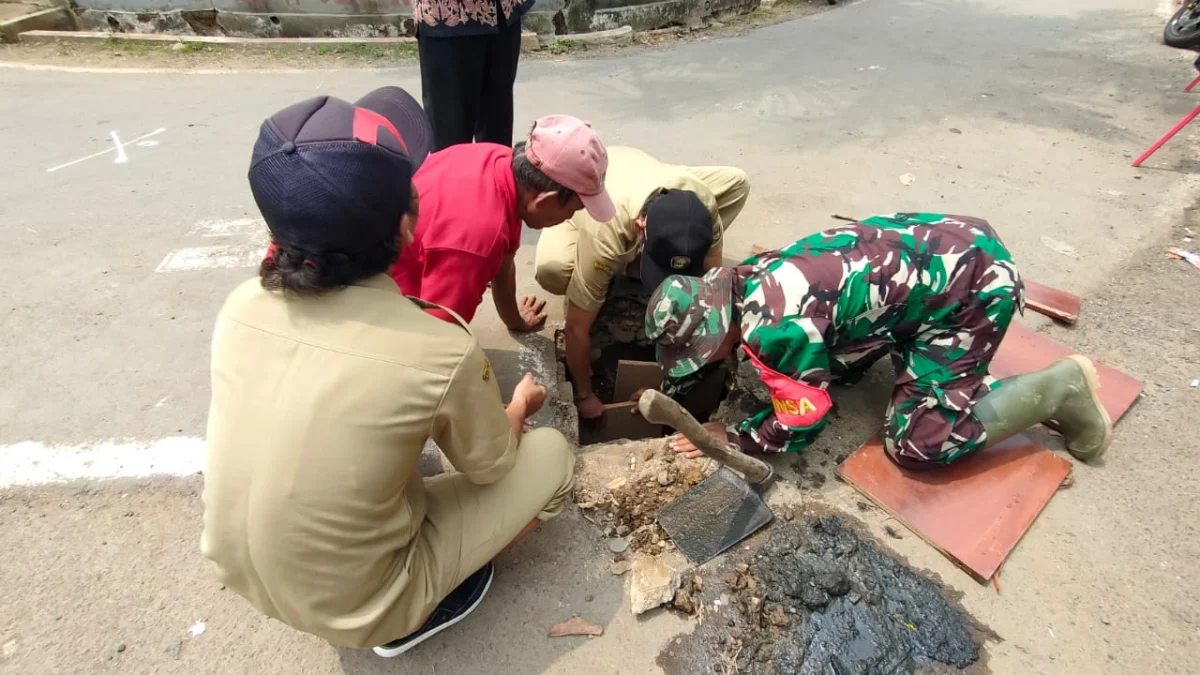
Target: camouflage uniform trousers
[{"x": 942, "y": 372}]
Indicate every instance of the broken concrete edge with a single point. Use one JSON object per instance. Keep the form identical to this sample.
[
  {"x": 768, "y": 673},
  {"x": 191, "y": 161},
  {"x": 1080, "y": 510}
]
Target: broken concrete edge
[
  {"x": 96, "y": 37},
  {"x": 54, "y": 19},
  {"x": 616, "y": 36},
  {"x": 530, "y": 42}
]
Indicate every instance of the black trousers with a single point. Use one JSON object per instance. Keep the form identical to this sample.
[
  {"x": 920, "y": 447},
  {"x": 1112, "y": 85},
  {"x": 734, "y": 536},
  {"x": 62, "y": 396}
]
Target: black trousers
[{"x": 467, "y": 85}]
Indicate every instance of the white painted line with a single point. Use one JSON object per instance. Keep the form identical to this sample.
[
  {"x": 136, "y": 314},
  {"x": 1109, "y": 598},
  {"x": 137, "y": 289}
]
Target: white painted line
[
  {"x": 33, "y": 463},
  {"x": 121, "y": 156},
  {"x": 213, "y": 257},
  {"x": 229, "y": 228},
  {"x": 118, "y": 147}
]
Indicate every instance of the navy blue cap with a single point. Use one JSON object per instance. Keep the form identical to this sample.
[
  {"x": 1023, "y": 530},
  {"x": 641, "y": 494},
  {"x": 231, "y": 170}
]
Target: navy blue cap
[
  {"x": 334, "y": 177},
  {"x": 679, "y": 233}
]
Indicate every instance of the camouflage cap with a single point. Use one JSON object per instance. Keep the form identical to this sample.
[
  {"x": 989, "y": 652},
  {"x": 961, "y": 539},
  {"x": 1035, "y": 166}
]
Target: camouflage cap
[{"x": 689, "y": 318}]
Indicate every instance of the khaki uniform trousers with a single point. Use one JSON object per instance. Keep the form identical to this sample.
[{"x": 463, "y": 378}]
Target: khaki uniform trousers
[{"x": 466, "y": 525}]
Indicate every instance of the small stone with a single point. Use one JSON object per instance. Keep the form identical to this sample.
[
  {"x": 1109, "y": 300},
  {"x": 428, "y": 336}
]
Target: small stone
[
  {"x": 684, "y": 601},
  {"x": 1105, "y": 621},
  {"x": 697, "y": 583},
  {"x": 222, "y": 586},
  {"x": 177, "y": 47},
  {"x": 622, "y": 530},
  {"x": 664, "y": 478},
  {"x": 955, "y": 131},
  {"x": 128, "y": 514},
  {"x": 892, "y": 532},
  {"x": 589, "y": 597},
  {"x": 618, "y": 545},
  {"x": 863, "y": 506},
  {"x": 653, "y": 583},
  {"x": 120, "y": 647},
  {"x": 742, "y": 568},
  {"x": 620, "y": 567}
]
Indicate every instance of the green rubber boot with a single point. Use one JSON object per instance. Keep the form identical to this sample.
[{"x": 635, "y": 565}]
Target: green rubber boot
[{"x": 1065, "y": 391}]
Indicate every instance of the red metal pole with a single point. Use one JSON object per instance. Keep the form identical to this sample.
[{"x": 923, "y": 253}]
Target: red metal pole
[
  {"x": 1193, "y": 84},
  {"x": 1167, "y": 136}
]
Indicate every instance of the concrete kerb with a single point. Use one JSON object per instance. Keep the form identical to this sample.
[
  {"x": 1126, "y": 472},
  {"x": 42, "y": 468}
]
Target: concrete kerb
[
  {"x": 529, "y": 41},
  {"x": 54, "y": 18}
]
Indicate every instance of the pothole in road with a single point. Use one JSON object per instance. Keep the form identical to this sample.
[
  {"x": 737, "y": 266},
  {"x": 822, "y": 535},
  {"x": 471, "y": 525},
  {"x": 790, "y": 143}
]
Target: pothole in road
[{"x": 819, "y": 598}]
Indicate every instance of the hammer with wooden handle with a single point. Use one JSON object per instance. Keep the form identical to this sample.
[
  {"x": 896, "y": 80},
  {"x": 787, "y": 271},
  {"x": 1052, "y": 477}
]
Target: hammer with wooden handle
[{"x": 659, "y": 408}]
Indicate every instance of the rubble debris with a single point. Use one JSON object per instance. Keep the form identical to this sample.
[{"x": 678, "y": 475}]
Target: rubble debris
[
  {"x": 818, "y": 598},
  {"x": 620, "y": 567},
  {"x": 627, "y": 504},
  {"x": 576, "y": 625},
  {"x": 1187, "y": 256},
  {"x": 653, "y": 582}
]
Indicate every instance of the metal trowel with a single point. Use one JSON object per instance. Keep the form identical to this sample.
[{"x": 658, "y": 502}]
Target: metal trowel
[{"x": 724, "y": 508}]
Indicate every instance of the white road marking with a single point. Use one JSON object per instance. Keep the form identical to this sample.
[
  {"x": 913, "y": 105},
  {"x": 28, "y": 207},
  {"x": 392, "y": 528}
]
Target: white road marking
[
  {"x": 33, "y": 463},
  {"x": 121, "y": 157},
  {"x": 118, "y": 147},
  {"x": 229, "y": 228},
  {"x": 231, "y": 256}
]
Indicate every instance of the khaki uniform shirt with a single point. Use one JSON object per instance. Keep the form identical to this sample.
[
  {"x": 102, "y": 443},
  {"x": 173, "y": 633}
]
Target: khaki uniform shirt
[
  {"x": 606, "y": 249},
  {"x": 320, "y": 409}
]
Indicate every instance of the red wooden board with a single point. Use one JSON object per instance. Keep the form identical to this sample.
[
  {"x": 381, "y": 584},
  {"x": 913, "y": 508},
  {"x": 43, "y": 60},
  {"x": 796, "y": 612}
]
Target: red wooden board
[
  {"x": 975, "y": 510},
  {"x": 1024, "y": 351},
  {"x": 1052, "y": 302}
]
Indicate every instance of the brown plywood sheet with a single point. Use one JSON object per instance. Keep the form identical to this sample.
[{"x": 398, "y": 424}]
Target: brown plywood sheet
[
  {"x": 1024, "y": 351},
  {"x": 634, "y": 375},
  {"x": 973, "y": 511},
  {"x": 1052, "y": 302},
  {"x": 617, "y": 422}
]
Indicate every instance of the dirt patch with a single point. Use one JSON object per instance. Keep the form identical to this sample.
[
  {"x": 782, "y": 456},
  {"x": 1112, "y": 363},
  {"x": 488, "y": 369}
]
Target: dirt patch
[
  {"x": 820, "y": 598},
  {"x": 621, "y": 486}
]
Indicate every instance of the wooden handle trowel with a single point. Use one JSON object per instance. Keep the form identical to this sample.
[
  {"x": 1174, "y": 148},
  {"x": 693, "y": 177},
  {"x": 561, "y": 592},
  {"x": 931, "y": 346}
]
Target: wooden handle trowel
[{"x": 724, "y": 508}]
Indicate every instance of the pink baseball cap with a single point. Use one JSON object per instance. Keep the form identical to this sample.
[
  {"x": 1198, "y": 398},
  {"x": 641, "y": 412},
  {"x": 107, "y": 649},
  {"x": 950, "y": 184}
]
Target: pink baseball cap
[{"x": 571, "y": 154}]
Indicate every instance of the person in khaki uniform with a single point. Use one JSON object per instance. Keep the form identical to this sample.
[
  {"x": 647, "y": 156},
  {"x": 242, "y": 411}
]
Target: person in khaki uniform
[
  {"x": 327, "y": 383},
  {"x": 670, "y": 220}
]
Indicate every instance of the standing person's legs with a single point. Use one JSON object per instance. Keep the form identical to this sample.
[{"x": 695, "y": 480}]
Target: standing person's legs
[
  {"x": 554, "y": 258},
  {"x": 729, "y": 185},
  {"x": 495, "y": 121},
  {"x": 452, "y": 70}
]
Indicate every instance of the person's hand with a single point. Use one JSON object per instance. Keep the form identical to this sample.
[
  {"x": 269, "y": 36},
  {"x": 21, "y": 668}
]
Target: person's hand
[
  {"x": 532, "y": 393},
  {"x": 590, "y": 406},
  {"x": 681, "y": 445},
  {"x": 637, "y": 396},
  {"x": 532, "y": 315}
]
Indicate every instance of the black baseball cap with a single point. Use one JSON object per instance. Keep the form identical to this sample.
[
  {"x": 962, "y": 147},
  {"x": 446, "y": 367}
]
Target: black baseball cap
[
  {"x": 334, "y": 177},
  {"x": 679, "y": 233}
]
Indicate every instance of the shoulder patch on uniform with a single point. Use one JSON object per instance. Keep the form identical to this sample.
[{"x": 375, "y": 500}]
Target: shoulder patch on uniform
[
  {"x": 487, "y": 370},
  {"x": 602, "y": 267}
]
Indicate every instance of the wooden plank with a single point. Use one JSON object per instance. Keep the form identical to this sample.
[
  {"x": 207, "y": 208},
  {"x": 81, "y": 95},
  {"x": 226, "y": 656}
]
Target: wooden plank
[
  {"x": 973, "y": 511},
  {"x": 1024, "y": 350},
  {"x": 618, "y": 422},
  {"x": 1052, "y": 302},
  {"x": 633, "y": 375}
]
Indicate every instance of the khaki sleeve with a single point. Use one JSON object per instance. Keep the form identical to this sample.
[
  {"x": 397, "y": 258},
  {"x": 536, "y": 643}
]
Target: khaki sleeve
[
  {"x": 594, "y": 271},
  {"x": 470, "y": 426}
]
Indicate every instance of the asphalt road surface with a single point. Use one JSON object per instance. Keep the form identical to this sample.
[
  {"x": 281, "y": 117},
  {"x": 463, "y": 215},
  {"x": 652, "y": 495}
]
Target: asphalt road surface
[{"x": 125, "y": 219}]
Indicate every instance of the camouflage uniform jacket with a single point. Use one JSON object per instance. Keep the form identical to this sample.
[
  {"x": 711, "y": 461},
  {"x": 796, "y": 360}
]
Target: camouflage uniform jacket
[{"x": 826, "y": 307}]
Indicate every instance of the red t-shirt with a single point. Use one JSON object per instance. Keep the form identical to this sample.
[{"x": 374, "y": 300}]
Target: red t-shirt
[{"x": 467, "y": 224}]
